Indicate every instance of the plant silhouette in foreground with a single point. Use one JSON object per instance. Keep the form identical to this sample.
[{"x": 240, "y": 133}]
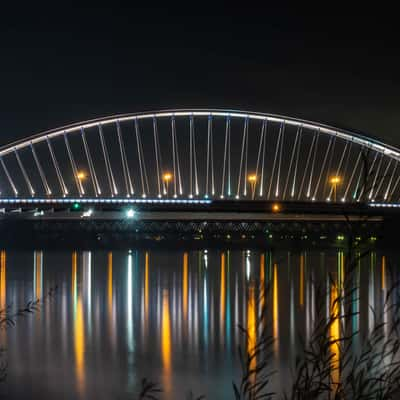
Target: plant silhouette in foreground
[{"x": 8, "y": 319}]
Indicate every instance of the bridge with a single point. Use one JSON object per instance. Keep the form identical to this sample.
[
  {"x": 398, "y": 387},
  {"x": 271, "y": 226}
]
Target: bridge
[{"x": 200, "y": 164}]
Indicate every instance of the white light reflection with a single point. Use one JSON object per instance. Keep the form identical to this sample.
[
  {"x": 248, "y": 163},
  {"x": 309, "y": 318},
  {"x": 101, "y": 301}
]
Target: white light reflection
[
  {"x": 129, "y": 305},
  {"x": 248, "y": 264}
]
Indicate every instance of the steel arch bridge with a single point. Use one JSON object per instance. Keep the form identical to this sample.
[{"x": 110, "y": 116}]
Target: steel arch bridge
[{"x": 197, "y": 156}]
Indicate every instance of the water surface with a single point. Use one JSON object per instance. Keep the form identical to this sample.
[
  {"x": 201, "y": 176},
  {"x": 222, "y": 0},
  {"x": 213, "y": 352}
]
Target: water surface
[{"x": 171, "y": 317}]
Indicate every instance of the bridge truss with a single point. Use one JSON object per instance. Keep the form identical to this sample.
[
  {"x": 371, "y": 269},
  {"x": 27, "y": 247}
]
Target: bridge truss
[{"x": 200, "y": 154}]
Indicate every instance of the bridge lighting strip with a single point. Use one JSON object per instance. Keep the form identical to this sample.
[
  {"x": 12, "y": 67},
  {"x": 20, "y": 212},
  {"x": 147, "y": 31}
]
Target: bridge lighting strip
[
  {"x": 347, "y": 135},
  {"x": 107, "y": 201},
  {"x": 386, "y": 205}
]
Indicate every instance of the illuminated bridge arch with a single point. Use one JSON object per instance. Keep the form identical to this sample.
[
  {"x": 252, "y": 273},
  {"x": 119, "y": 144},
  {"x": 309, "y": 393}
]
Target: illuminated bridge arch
[{"x": 195, "y": 154}]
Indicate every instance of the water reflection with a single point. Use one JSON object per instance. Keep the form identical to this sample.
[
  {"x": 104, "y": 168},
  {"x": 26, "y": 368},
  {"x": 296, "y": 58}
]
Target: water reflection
[{"x": 172, "y": 316}]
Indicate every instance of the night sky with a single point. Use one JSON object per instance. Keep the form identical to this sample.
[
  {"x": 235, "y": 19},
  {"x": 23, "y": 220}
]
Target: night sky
[{"x": 65, "y": 64}]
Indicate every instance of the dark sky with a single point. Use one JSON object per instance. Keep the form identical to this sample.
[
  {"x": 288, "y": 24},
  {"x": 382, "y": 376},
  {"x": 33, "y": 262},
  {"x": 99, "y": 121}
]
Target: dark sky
[{"x": 63, "y": 64}]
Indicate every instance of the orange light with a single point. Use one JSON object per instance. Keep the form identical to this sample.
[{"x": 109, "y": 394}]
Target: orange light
[
  {"x": 81, "y": 175},
  {"x": 252, "y": 178},
  {"x": 335, "y": 180},
  {"x": 167, "y": 177},
  {"x": 276, "y": 207}
]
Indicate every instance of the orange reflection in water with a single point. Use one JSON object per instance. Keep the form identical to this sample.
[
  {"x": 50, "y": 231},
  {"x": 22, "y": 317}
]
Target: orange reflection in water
[
  {"x": 251, "y": 331},
  {"x": 222, "y": 294},
  {"x": 73, "y": 280},
  {"x": 38, "y": 274},
  {"x": 166, "y": 341},
  {"x": 79, "y": 344},
  {"x": 262, "y": 281},
  {"x": 334, "y": 337},
  {"x": 3, "y": 291},
  {"x": 185, "y": 283},
  {"x": 275, "y": 307},
  {"x": 3, "y": 283}
]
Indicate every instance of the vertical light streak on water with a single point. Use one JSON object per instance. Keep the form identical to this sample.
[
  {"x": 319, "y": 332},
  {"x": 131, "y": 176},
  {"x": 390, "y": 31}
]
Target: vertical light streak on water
[
  {"x": 356, "y": 296},
  {"x": 301, "y": 289},
  {"x": 129, "y": 305},
  {"x": 335, "y": 336},
  {"x": 79, "y": 329},
  {"x": 185, "y": 280},
  {"x": 371, "y": 293},
  {"x": 74, "y": 283},
  {"x": 262, "y": 283},
  {"x": 292, "y": 317},
  {"x": 166, "y": 342},
  {"x": 236, "y": 321},
  {"x": 385, "y": 309},
  {"x": 228, "y": 301},
  {"x": 110, "y": 302},
  {"x": 222, "y": 300},
  {"x": 195, "y": 289},
  {"x": 251, "y": 331},
  {"x": 205, "y": 310},
  {"x": 146, "y": 291},
  {"x": 248, "y": 265},
  {"x": 3, "y": 293},
  {"x": 87, "y": 268},
  {"x": 38, "y": 274},
  {"x": 109, "y": 283},
  {"x": 190, "y": 309},
  {"x": 275, "y": 310},
  {"x": 341, "y": 277}
]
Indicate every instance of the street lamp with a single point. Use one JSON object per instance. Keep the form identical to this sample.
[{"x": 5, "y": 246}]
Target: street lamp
[
  {"x": 334, "y": 181},
  {"x": 167, "y": 177},
  {"x": 252, "y": 178},
  {"x": 81, "y": 175}
]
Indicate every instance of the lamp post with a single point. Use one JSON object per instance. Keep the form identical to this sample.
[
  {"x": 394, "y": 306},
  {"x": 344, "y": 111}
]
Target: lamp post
[
  {"x": 335, "y": 180},
  {"x": 252, "y": 178},
  {"x": 167, "y": 177}
]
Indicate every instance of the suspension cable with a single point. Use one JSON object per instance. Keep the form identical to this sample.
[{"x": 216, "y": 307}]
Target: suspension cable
[
  {"x": 376, "y": 177},
  {"x": 390, "y": 181},
  {"x": 41, "y": 172},
  {"x": 93, "y": 176},
  {"x": 241, "y": 158},
  {"x": 259, "y": 156},
  {"x": 57, "y": 168},
  {"x": 339, "y": 168},
  {"x": 125, "y": 165},
  {"x": 265, "y": 126},
  {"x": 324, "y": 192},
  {"x": 313, "y": 164},
  {"x": 280, "y": 160},
  {"x": 227, "y": 129},
  {"x": 110, "y": 175},
  {"x": 78, "y": 182},
  {"x": 292, "y": 193},
  {"x": 383, "y": 178},
  {"x": 322, "y": 168},
  {"x": 291, "y": 162},
  {"x": 10, "y": 181},
  {"x": 306, "y": 168},
  {"x": 26, "y": 178},
  {"x": 142, "y": 164},
  {"x": 275, "y": 158},
  {"x": 352, "y": 176}
]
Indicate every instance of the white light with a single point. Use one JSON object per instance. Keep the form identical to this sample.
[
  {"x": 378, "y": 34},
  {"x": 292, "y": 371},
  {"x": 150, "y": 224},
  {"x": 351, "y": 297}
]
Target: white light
[
  {"x": 38, "y": 213},
  {"x": 88, "y": 213},
  {"x": 130, "y": 213}
]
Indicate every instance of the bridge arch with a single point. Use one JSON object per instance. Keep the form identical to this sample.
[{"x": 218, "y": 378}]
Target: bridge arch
[{"x": 201, "y": 153}]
